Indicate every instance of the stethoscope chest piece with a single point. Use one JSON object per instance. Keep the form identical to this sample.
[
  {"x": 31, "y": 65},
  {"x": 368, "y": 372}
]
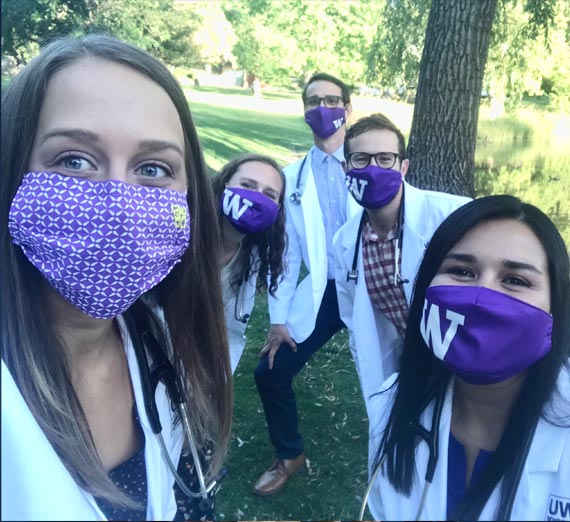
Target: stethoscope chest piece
[{"x": 295, "y": 198}]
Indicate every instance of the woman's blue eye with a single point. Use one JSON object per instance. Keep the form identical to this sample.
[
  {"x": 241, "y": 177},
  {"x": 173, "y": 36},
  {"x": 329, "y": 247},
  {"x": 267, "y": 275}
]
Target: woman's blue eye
[
  {"x": 75, "y": 163},
  {"x": 153, "y": 171}
]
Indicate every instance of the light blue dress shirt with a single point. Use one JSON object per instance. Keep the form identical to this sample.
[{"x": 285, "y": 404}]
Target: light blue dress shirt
[{"x": 331, "y": 189}]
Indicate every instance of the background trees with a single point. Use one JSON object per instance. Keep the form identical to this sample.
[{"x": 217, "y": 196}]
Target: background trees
[{"x": 502, "y": 49}]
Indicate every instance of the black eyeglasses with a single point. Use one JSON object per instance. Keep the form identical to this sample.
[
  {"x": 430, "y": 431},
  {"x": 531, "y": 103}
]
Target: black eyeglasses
[
  {"x": 329, "y": 100},
  {"x": 361, "y": 160}
]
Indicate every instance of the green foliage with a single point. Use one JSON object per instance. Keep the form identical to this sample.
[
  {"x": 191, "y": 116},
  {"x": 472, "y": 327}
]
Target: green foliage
[
  {"x": 29, "y": 24},
  {"x": 525, "y": 154},
  {"x": 395, "y": 54},
  {"x": 151, "y": 24},
  {"x": 281, "y": 41},
  {"x": 529, "y": 43}
]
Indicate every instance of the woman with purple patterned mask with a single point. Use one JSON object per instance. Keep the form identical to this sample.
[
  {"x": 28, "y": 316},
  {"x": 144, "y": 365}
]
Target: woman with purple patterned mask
[
  {"x": 108, "y": 232},
  {"x": 487, "y": 355},
  {"x": 250, "y": 190}
]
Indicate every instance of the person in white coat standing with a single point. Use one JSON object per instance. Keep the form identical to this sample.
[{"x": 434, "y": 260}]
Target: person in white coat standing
[
  {"x": 251, "y": 212},
  {"x": 116, "y": 378},
  {"x": 378, "y": 251},
  {"x": 476, "y": 425},
  {"x": 305, "y": 316}
]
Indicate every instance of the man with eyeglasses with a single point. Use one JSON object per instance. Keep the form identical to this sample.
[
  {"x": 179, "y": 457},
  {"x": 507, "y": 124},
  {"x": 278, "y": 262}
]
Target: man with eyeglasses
[
  {"x": 305, "y": 316},
  {"x": 378, "y": 251}
]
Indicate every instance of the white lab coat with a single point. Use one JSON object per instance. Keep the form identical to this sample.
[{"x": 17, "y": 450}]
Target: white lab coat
[
  {"x": 244, "y": 299},
  {"x": 544, "y": 488},
  {"x": 297, "y": 305},
  {"x": 37, "y": 486},
  {"x": 374, "y": 340}
]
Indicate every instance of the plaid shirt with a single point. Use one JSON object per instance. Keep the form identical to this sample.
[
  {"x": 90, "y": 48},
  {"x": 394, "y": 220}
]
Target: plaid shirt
[{"x": 378, "y": 258}]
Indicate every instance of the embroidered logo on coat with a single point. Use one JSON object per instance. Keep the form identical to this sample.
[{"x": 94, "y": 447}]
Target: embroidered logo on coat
[{"x": 558, "y": 508}]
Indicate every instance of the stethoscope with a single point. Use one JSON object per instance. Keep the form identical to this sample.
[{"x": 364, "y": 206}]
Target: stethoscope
[
  {"x": 295, "y": 198},
  {"x": 431, "y": 438},
  {"x": 352, "y": 274},
  {"x": 240, "y": 296},
  {"x": 162, "y": 370}
]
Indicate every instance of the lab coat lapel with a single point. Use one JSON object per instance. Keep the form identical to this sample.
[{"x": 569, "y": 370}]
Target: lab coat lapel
[
  {"x": 352, "y": 207},
  {"x": 413, "y": 243},
  {"x": 315, "y": 234},
  {"x": 348, "y": 241}
]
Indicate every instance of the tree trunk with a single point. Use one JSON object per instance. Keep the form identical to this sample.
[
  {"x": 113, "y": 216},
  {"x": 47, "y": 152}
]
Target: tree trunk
[{"x": 444, "y": 128}]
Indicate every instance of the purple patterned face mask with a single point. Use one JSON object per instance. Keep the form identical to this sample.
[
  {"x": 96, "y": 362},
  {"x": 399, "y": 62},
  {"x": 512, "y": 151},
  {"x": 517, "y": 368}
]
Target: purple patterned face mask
[
  {"x": 248, "y": 211},
  {"x": 482, "y": 335},
  {"x": 373, "y": 186},
  {"x": 101, "y": 244},
  {"x": 324, "y": 122}
]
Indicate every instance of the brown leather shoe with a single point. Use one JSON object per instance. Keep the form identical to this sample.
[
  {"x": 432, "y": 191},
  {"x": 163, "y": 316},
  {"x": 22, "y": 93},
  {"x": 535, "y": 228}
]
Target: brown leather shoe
[{"x": 275, "y": 478}]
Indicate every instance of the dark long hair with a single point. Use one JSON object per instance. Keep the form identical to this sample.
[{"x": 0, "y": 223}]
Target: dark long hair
[
  {"x": 422, "y": 375},
  {"x": 270, "y": 244},
  {"x": 190, "y": 296}
]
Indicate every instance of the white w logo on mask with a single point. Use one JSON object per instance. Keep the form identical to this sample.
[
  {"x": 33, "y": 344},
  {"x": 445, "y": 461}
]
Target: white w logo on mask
[
  {"x": 338, "y": 123},
  {"x": 356, "y": 187},
  {"x": 231, "y": 205},
  {"x": 431, "y": 327}
]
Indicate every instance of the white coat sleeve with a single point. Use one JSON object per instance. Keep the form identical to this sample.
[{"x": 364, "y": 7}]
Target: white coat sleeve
[{"x": 279, "y": 305}]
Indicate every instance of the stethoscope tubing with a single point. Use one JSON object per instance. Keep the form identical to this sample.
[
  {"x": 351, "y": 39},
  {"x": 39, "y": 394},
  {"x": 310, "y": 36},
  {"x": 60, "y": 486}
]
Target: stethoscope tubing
[
  {"x": 431, "y": 438},
  {"x": 352, "y": 274},
  {"x": 240, "y": 296},
  {"x": 295, "y": 198},
  {"x": 165, "y": 373}
]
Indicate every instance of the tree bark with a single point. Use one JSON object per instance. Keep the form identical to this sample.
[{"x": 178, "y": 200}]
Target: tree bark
[{"x": 444, "y": 127}]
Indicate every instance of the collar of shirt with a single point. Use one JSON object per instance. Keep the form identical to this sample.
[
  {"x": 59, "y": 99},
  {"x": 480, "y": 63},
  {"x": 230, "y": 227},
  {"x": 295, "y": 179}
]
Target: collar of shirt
[
  {"x": 320, "y": 156},
  {"x": 369, "y": 235}
]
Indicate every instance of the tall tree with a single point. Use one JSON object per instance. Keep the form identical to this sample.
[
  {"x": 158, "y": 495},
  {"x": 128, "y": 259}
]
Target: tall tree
[{"x": 444, "y": 127}]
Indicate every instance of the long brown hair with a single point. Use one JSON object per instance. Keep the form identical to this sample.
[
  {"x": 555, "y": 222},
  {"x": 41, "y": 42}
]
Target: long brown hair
[
  {"x": 190, "y": 295},
  {"x": 270, "y": 243}
]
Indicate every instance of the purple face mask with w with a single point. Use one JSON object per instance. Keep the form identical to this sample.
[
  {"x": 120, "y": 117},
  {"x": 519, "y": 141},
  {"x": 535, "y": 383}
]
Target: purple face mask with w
[
  {"x": 373, "y": 186},
  {"x": 100, "y": 244},
  {"x": 248, "y": 211},
  {"x": 324, "y": 122},
  {"x": 482, "y": 335}
]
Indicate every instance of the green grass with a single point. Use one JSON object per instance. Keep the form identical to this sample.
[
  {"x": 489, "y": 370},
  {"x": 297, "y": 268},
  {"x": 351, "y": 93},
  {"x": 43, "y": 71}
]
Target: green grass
[
  {"x": 333, "y": 422},
  {"x": 228, "y": 132}
]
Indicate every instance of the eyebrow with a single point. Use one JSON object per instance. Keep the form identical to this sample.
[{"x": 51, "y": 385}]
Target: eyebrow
[
  {"x": 515, "y": 265},
  {"x": 159, "y": 145},
  {"x": 86, "y": 135},
  {"x": 76, "y": 134}
]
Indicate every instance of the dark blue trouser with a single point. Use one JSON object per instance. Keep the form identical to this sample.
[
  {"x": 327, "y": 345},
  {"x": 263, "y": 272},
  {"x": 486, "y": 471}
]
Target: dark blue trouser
[{"x": 275, "y": 386}]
